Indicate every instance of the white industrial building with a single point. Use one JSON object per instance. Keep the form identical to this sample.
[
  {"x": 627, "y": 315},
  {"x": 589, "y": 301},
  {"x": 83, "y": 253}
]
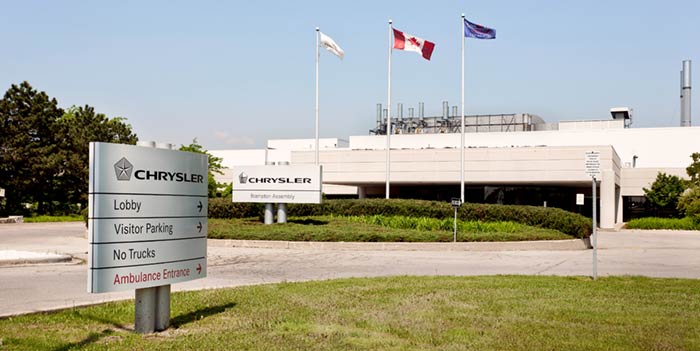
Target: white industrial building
[
  {"x": 510, "y": 159},
  {"x": 524, "y": 167}
]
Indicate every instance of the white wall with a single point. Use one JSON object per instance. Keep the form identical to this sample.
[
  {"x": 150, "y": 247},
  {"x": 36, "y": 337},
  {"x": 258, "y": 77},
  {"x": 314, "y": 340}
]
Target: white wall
[
  {"x": 256, "y": 157},
  {"x": 655, "y": 147},
  {"x": 306, "y": 144}
]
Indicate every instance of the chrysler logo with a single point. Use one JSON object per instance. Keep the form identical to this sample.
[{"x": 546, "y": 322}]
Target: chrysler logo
[
  {"x": 123, "y": 169},
  {"x": 243, "y": 178}
]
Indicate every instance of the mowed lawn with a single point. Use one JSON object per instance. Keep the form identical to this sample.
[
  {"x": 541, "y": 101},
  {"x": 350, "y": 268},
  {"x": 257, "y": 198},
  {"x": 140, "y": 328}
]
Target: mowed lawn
[
  {"x": 376, "y": 229},
  {"x": 396, "y": 313}
]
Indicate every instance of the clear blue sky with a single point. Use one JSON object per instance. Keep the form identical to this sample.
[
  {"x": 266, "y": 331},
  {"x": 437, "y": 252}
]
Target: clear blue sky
[{"x": 234, "y": 74}]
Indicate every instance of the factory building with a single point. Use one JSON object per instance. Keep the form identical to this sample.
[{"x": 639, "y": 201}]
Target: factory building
[{"x": 508, "y": 159}]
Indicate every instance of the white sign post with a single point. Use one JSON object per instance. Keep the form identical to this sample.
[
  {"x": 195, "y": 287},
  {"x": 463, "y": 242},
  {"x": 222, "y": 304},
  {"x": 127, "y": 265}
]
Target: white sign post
[
  {"x": 147, "y": 224},
  {"x": 456, "y": 202},
  {"x": 593, "y": 170}
]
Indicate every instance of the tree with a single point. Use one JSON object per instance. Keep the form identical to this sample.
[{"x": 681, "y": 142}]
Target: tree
[
  {"x": 44, "y": 151},
  {"x": 28, "y": 158},
  {"x": 694, "y": 170},
  {"x": 214, "y": 166},
  {"x": 664, "y": 193},
  {"x": 78, "y": 127}
]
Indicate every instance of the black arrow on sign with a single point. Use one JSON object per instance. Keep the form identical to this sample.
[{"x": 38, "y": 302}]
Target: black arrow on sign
[
  {"x": 199, "y": 227},
  {"x": 199, "y": 207},
  {"x": 199, "y": 268}
]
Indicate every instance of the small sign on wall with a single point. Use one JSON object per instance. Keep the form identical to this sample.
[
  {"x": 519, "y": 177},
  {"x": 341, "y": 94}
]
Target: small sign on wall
[{"x": 579, "y": 199}]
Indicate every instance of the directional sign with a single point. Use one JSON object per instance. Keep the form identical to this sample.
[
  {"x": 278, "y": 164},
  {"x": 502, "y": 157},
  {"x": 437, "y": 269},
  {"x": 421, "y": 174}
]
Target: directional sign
[
  {"x": 114, "y": 230},
  {"x": 147, "y": 221},
  {"x": 456, "y": 202},
  {"x": 592, "y": 164},
  {"x": 139, "y": 206}
]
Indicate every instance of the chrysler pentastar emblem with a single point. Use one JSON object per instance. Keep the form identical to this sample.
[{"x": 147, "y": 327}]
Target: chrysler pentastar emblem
[
  {"x": 243, "y": 178},
  {"x": 123, "y": 169}
]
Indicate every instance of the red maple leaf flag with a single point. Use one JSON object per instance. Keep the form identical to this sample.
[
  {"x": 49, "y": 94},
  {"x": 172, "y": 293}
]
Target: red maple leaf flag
[{"x": 407, "y": 42}]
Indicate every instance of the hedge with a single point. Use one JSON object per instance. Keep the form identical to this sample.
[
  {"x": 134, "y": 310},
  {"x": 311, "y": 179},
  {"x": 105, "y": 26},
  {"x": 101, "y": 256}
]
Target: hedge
[{"x": 544, "y": 217}]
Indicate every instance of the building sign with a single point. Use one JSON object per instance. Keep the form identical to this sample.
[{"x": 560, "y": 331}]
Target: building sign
[
  {"x": 147, "y": 224},
  {"x": 593, "y": 164},
  {"x": 579, "y": 199},
  {"x": 277, "y": 184}
]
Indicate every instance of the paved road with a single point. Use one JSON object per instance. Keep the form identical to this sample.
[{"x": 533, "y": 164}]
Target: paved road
[{"x": 43, "y": 287}]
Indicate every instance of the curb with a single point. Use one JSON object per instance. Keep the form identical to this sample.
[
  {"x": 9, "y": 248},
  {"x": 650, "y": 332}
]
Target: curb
[
  {"x": 53, "y": 258},
  {"x": 542, "y": 245}
]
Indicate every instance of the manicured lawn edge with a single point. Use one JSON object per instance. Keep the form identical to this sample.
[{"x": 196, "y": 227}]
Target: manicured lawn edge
[{"x": 465, "y": 313}]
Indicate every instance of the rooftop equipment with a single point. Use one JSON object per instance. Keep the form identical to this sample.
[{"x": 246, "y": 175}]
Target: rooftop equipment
[{"x": 685, "y": 94}]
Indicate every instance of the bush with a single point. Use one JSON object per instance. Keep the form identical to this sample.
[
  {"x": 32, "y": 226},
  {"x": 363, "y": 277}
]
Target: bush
[
  {"x": 224, "y": 208},
  {"x": 542, "y": 217},
  {"x": 689, "y": 203},
  {"x": 663, "y": 223},
  {"x": 664, "y": 193}
]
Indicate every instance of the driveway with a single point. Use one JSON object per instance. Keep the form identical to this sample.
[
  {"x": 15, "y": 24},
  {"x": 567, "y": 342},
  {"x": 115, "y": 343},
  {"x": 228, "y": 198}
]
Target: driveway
[{"x": 32, "y": 288}]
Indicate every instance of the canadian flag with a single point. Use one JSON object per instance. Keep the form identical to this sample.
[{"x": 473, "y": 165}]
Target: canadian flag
[{"x": 407, "y": 42}]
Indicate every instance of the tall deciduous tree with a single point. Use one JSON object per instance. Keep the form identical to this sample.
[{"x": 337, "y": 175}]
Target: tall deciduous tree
[
  {"x": 664, "y": 193},
  {"x": 694, "y": 169},
  {"x": 214, "y": 166},
  {"x": 29, "y": 162},
  {"x": 79, "y": 126}
]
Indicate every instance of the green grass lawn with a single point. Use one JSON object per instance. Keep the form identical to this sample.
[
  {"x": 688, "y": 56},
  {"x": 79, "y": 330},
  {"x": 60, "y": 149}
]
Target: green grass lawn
[
  {"x": 40, "y": 219},
  {"x": 350, "y": 229},
  {"x": 396, "y": 313}
]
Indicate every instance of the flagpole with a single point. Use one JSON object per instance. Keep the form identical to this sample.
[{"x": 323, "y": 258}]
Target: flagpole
[
  {"x": 388, "y": 115},
  {"x": 461, "y": 145},
  {"x": 317, "y": 57}
]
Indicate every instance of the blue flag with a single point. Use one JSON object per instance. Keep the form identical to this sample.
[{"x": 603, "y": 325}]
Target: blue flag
[{"x": 473, "y": 30}]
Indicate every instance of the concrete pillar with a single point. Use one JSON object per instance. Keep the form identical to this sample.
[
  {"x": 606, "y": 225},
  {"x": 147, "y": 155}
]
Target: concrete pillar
[
  {"x": 618, "y": 203},
  {"x": 361, "y": 192},
  {"x": 608, "y": 199},
  {"x": 162, "y": 321},
  {"x": 144, "y": 316},
  {"x": 269, "y": 208},
  {"x": 269, "y": 213},
  {"x": 281, "y": 213}
]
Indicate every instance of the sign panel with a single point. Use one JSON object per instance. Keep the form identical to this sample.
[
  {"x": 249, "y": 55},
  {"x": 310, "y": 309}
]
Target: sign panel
[
  {"x": 277, "y": 184},
  {"x": 579, "y": 199},
  {"x": 456, "y": 202},
  {"x": 147, "y": 222},
  {"x": 592, "y": 164}
]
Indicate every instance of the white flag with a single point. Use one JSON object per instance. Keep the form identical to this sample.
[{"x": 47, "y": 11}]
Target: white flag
[{"x": 330, "y": 45}]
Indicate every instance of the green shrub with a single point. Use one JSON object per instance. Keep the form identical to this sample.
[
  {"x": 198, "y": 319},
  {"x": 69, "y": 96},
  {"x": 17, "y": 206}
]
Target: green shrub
[
  {"x": 689, "y": 203},
  {"x": 225, "y": 208},
  {"x": 542, "y": 217},
  {"x": 686, "y": 223}
]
